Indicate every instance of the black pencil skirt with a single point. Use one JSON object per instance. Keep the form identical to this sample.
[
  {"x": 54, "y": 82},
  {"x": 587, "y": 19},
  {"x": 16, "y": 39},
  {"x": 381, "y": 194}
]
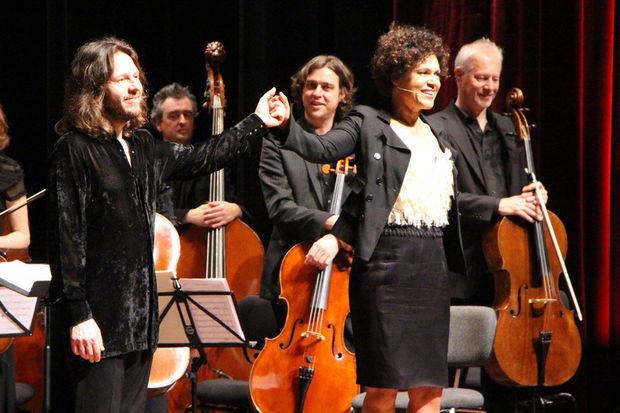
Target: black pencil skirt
[{"x": 400, "y": 310}]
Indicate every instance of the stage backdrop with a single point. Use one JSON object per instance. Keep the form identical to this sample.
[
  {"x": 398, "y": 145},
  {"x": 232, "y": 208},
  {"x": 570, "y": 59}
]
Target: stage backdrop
[
  {"x": 562, "y": 55},
  {"x": 266, "y": 40}
]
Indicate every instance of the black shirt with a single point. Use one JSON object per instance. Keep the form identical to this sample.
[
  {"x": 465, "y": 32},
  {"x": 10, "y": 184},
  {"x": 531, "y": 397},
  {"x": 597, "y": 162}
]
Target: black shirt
[{"x": 488, "y": 147}]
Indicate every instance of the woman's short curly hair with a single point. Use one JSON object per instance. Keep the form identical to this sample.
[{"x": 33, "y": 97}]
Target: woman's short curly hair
[{"x": 400, "y": 50}]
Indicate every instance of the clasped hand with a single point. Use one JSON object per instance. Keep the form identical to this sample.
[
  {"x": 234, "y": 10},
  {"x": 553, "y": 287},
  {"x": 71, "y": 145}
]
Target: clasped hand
[
  {"x": 213, "y": 214},
  {"x": 525, "y": 205},
  {"x": 274, "y": 109}
]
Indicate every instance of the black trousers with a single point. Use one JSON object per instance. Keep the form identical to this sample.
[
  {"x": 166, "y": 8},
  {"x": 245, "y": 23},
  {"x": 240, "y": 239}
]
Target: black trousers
[{"x": 113, "y": 385}]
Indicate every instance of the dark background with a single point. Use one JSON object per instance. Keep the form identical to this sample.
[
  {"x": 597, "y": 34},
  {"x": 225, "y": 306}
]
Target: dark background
[
  {"x": 561, "y": 53},
  {"x": 266, "y": 42}
]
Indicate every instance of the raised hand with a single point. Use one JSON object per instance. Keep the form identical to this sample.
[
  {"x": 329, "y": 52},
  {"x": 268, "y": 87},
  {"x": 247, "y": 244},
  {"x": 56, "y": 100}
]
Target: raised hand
[
  {"x": 280, "y": 109},
  {"x": 271, "y": 108}
]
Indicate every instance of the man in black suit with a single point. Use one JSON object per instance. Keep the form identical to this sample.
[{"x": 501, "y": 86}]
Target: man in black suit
[
  {"x": 297, "y": 193},
  {"x": 491, "y": 181},
  {"x": 188, "y": 201}
]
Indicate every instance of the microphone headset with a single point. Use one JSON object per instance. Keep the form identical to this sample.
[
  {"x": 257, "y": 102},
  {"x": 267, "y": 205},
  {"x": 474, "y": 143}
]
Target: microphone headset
[{"x": 406, "y": 90}]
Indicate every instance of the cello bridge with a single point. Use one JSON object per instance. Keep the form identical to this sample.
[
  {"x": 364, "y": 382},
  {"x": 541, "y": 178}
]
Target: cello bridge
[
  {"x": 539, "y": 304},
  {"x": 319, "y": 336}
]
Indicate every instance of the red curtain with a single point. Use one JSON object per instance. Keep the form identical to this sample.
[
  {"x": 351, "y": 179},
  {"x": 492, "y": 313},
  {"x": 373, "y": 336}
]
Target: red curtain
[{"x": 562, "y": 55}]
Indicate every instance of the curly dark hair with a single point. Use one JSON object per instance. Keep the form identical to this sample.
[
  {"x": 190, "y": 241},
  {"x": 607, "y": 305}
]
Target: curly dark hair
[
  {"x": 347, "y": 82},
  {"x": 91, "y": 69},
  {"x": 400, "y": 50}
]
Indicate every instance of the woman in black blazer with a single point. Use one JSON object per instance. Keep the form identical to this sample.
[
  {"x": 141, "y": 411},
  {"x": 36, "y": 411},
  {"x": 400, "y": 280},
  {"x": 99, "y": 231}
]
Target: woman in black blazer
[{"x": 394, "y": 218}]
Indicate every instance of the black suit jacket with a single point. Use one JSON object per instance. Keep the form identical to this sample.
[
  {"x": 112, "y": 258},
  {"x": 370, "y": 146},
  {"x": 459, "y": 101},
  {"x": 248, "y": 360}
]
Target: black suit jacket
[
  {"x": 296, "y": 203},
  {"x": 382, "y": 159},
  {"x": 477, "y": 208}
]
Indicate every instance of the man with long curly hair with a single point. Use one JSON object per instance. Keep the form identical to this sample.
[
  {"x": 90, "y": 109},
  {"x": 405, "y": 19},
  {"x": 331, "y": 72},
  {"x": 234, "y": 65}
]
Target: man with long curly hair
[
  {"x": 104, "y": 178},
  {"x": 297, "y": 193}
]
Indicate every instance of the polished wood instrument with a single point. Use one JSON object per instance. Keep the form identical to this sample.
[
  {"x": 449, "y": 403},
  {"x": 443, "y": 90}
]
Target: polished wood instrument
[
  {"x": 233, "y": 252},
  {"x": 169, "y": 363},
  {"x": 537, "y": 341},
  {"x": 307, "y": 367}
]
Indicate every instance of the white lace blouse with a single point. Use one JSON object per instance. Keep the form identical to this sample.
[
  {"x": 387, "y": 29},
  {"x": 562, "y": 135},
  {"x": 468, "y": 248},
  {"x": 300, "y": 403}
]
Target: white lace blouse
[{"x": 425, "y": 196}]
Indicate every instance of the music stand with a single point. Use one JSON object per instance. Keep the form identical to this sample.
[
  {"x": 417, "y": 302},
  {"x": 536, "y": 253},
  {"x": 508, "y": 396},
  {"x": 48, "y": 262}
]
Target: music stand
[
  {"x": 21, "y": 287},
  {"x": 185, "y": 320}
]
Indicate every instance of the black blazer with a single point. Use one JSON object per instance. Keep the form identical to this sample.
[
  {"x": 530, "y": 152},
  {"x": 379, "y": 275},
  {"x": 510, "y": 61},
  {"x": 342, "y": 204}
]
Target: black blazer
[
  {"x": 382, "y": 159},
  {"x": 296, "y": 204},
  {"x": 477, "y": 208}
]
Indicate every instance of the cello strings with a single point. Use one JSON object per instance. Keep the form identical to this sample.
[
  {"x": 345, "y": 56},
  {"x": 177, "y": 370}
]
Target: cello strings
[
  {"x": 539, "y": 227},
  {"x": 321, "y": 289},
  {"x": 314, "y": 308}
]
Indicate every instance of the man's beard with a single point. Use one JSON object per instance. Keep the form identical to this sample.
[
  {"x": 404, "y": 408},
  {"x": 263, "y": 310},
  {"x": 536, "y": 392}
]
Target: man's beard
[{"x": 115, "y": 111}]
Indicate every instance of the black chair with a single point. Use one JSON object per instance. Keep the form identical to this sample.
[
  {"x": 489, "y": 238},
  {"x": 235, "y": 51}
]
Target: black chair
[
  {"x": 223, "y": 395},
  {"x": 258, "y": 320},
  {"x": 472, "y": 332},
  {"x": 23, "y": 394}
]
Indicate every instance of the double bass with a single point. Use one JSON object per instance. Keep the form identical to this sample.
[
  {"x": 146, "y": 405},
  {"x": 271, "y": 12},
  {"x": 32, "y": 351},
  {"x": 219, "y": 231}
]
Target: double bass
[
  {"x": 537, "y": 342},
  {"x": 233, "y": 252},
  {"x": 307, "y": 367}
]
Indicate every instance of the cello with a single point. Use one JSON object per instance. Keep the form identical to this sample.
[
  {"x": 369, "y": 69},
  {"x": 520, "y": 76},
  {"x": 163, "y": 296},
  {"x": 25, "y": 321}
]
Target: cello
[
  {"x": 537, "y": 342},
  {"x": 169, "y": 363},
  {"x": 233, "y": 252},
  {"x": 307, "y": 367}
]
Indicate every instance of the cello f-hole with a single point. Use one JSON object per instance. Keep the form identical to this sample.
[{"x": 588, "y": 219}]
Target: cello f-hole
[
  {"x": 284, "y": 346},
  {"x": 337, "y": 355}
]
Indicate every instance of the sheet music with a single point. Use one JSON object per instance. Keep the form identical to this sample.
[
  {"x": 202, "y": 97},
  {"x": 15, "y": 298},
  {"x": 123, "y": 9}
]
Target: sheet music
[
  {"x": 21, "y": 277},
  {"x": 209, "y": 330},
  {"x": 21, "y": 307},
  {"x": 221, "y": 306}
]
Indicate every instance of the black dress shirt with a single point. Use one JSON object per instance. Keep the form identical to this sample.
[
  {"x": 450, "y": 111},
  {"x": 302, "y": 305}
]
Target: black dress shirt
[{"x": 488, "y": 147}]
